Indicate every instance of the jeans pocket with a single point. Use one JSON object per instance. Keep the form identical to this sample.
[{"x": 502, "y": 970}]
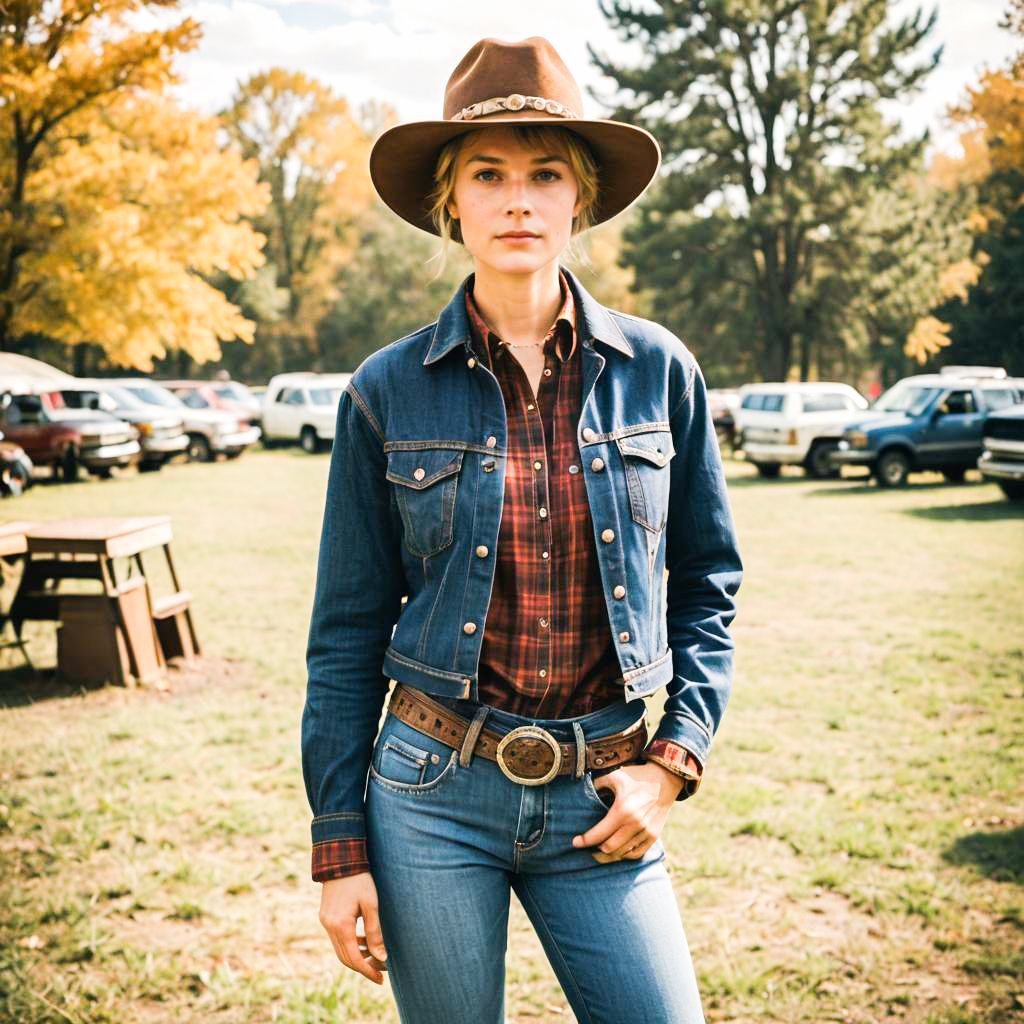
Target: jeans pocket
[
  {"x": 594, "y": 794},
  {"x": 407, "y": 761}
]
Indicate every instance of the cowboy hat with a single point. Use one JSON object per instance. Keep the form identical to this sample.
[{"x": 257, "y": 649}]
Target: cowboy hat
[{"x": 499, "y": 83}]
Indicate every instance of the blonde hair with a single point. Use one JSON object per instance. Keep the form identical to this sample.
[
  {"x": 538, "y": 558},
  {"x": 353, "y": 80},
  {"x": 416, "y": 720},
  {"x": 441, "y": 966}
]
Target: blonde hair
[{"x": 534, "y": 136}]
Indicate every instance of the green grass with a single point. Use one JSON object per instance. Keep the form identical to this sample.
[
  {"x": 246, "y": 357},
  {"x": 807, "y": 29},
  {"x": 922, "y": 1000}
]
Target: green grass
[{"x": 856, "y": 852}]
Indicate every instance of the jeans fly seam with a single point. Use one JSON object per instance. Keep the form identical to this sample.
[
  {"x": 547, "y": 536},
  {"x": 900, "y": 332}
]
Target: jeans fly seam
[{"x": 557, "y": 950}]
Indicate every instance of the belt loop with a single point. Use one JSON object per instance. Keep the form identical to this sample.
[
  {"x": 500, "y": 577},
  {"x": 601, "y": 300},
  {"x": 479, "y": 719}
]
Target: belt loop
[
  {"x": 472, "y": 734},
  {"x": 581, "y": 751}
]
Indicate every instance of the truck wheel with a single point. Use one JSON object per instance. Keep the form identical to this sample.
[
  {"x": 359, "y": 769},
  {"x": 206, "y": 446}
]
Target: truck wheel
[
  {"x": 68, "y": 465},
  {"x": 199, "y": 449},
  {"x": 955, "y": 475},
  {"x": 769, "y": 470},
  {"x": 15, "y": 480},
  {"x": 892, "y": 470},
  {"x": 1013, "y": 489},
  {"x": 309, "y": 441},
  {"x": 817, "y": 464}
]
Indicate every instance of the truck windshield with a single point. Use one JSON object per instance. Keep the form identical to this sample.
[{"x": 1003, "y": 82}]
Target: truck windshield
[{"x": 912, "y": 399}]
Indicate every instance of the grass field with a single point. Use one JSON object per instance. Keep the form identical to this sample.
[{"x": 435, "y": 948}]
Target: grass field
[{"x": 856, "y": 853}]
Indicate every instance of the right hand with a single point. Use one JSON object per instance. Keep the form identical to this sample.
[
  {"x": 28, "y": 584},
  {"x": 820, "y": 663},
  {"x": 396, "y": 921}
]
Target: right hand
[{"x": 342, "y": 902}]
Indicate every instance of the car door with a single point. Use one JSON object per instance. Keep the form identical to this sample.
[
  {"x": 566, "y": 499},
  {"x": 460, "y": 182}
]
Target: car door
[{"x": 953, "y": 434}]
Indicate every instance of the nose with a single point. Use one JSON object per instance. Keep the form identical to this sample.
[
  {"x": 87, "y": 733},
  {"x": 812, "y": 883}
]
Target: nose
[{"x": 518, "y": 204}]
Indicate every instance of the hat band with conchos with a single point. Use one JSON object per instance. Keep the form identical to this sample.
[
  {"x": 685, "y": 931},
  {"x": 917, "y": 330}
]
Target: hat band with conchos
[{"x": 521, "y": 84}]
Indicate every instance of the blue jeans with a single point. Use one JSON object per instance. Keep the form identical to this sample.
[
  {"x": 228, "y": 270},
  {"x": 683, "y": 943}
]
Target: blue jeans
[{"x": 446, "y": 844}]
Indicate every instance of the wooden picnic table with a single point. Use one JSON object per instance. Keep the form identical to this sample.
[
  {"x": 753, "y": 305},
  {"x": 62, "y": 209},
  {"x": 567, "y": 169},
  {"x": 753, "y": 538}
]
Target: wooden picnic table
[{"x": 85, "y": 549}]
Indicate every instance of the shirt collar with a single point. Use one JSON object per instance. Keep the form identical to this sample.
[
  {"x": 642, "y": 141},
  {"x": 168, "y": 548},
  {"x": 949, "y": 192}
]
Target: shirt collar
[{"x": 488, "y": 344}]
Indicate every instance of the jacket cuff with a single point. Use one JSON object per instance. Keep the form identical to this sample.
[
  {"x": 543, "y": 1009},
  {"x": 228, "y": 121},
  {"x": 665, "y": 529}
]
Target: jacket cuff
[
  {"x": 338, "y": 858},
  {"x": 679, "y": 761}
]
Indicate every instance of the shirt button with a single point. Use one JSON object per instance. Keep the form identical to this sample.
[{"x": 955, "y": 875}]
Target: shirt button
[
  {"x": 607, "y": 536},
  {"x": 544, "y": 554},
  {"x": 574, "y": 468},
  {"x": 543, "y": 623},
  {"x": 597, "y": 464},
  {"x": 619, "y": 591},
  {"x": 491, "y": 441},
  {"x": 542, "y": 512},
  {"x": 624, "y": 637},
  {"x": 530, "y": 407},
  {"x": 482, "y": 551},
  {"x": 471, "y": 362},
  {"x": 538, "y": 464},
  {"x": 542, "y": 673},
  {"x": 469, "y": 628},
  {"x": 547, "y": 371},
  {"x": 588, "y": 434},
  {"x": 419, "y": 472}
]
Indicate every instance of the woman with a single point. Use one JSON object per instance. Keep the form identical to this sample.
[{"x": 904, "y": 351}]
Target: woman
[{"x": 507, "y": 488}]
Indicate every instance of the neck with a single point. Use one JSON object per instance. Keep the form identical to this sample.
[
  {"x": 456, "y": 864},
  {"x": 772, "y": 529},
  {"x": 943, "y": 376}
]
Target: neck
[{"x": 519, "y": 308}]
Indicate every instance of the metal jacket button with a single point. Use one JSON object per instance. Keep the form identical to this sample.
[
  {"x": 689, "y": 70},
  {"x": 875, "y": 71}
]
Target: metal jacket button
[
  {"x": 491, "y": 441},
  {"x": 607, "y": 536},
  {"x": 597, "y": 465},
  {"x": 482, "y": 550},
  {"x": 588, "y": 434},
  {"x": 624, "y": 637},
  {"x": 469, "y": 628},
  {"x": 471, "y": 362},
  {"x": 489, "y": 466},
  {"x": 419, "y": 472},
  {"x": 619, "y": 591}
]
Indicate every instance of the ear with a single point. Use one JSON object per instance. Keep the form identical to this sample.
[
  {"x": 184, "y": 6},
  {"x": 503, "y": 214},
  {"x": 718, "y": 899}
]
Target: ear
[{"x": 453, "y": 210}]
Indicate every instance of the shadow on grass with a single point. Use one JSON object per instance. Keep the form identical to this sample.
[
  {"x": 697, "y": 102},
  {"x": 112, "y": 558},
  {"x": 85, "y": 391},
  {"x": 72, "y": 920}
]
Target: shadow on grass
[
  {"x": 996, "y": 855},
  {"x": 20, "y": 687},
  {"x": 988, "y": 511}
]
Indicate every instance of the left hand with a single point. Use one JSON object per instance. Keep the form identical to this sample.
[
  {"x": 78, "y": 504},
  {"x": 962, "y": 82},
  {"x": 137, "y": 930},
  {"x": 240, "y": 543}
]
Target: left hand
[{"x": 644, "y": 794}]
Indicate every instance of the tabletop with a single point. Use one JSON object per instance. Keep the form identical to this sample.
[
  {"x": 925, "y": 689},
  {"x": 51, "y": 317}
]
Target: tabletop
[
  {"x": 113, "y": 537},
  {"x": 12, "y": 538}
]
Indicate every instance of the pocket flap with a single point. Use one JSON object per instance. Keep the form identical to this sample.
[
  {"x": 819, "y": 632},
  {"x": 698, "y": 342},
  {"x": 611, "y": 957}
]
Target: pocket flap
[
  {"x": 424, "y": 466},
  {"x": 654, "y": 446}
]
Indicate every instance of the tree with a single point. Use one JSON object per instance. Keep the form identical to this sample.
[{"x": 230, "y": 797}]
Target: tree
[
  {"x": 769, "y": 115},
  {"x": 312, "y": 153},
  {"x": 114, "y": 203}
]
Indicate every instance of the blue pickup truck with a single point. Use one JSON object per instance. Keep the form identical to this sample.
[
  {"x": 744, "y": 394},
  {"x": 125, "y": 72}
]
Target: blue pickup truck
[{"x": 930, "y": 421}]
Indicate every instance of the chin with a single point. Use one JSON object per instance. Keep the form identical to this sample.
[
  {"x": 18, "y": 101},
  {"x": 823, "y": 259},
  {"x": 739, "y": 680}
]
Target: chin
[{"x": 519, "y": 262}]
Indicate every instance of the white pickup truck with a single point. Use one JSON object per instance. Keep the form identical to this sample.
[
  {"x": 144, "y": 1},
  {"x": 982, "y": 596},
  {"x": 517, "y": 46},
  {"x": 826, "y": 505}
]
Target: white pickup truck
[
  {"x": 302, "y": 407},
  {"x": 795, "y": 424}
]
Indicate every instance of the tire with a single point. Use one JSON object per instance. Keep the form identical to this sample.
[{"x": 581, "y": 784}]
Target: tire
[
  {"x": 68, "y": 467},
  {"x": 1013, "y": 489},
  {"x": 152, "y": 466},
  {"x": 769, "y": 470},
  {"x": 955, "y": 475},
  {"x": 16, "y": 480},
  {"x": 199, "y": 449},
  {"x": 892, "y": 469},
  {"x": 817, "y": 464},
  {"x": 309, "y": 441},
  {"x": 102, "y": 472},
  {"x": 233, "y": 453}
]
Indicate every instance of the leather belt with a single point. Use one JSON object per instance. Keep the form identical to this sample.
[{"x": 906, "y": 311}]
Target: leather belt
[{"x": 529, "y": 755}]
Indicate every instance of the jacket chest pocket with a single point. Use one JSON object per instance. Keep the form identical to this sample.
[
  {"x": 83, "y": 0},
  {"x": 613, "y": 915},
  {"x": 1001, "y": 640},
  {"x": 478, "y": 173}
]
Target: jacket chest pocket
[
  {"x": 646, "y": 458},
  {"x": 425, "y": 483}
]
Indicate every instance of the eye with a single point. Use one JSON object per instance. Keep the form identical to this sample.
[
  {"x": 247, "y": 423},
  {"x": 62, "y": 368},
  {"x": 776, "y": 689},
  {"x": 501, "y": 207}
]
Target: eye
[
  {"x": 554, "y": 175},
  {"x": 481, "y": 175}
]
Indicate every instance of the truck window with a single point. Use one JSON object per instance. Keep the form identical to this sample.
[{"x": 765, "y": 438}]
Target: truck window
[
  {"x": 999, "y": 399},
  {"x": 959, "y": 403}
]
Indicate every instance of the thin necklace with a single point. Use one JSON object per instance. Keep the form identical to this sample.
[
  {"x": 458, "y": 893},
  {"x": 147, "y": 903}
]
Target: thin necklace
[{"x": 525, "y": 344}]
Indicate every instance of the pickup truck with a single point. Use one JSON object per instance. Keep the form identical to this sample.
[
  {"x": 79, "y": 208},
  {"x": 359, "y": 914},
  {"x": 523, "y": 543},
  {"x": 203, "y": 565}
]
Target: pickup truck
[
  {"x": 928, "y": 421},
  {"x": 67, "y": 440},
  {"x": 1002, "y": 461}
]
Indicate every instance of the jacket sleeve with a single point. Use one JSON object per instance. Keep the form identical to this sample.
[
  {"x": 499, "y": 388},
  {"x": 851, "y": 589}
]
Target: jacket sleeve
[
  {"x": 704, "y": 573},
  {"x": 359, "y": 587}
]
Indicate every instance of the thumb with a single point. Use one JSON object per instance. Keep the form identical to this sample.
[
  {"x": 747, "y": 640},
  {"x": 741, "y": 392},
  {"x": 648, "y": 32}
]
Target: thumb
[{"x": 374, "y": 938}]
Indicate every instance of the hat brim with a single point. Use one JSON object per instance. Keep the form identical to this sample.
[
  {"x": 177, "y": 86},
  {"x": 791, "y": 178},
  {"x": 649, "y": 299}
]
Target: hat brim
[{"x": 403, "y": 159}]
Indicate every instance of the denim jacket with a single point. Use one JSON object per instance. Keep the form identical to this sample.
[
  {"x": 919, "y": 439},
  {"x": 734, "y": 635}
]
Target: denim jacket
[{"x": 414, "y": 498}]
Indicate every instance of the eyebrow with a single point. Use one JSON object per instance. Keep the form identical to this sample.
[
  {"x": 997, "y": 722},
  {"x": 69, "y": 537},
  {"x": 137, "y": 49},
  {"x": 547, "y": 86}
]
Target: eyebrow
[{"x": 483, "y": 158}]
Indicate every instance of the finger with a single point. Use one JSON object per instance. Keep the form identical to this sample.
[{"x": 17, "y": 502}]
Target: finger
[
  {"x": 629, "y": 851},
  {"x": 626, "y": 836},
  {"x": 353, "y": 958},
  {"x": 374, "y": 938},
  {"x": 606, "y": 827}
]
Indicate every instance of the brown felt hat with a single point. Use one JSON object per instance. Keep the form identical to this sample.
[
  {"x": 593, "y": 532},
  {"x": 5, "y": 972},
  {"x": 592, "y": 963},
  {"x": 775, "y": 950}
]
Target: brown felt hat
[{"x": 500, "y": 83}]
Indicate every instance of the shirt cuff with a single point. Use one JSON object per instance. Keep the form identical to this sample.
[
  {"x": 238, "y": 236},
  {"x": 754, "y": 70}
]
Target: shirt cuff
[
  {"x": 339, "y": 858},
  {"x": 679, "y": 761}
]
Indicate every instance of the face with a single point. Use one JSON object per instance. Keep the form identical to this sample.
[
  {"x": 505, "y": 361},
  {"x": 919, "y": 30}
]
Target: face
[{"x": 515, "y": 205}]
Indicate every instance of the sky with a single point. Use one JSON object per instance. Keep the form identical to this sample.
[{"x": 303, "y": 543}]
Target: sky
[{"x": 402, "y": 51}]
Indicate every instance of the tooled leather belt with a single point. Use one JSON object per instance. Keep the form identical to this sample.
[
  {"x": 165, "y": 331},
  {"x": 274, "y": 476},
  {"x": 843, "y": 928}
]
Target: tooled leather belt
[{"x": 529, "y": 755}]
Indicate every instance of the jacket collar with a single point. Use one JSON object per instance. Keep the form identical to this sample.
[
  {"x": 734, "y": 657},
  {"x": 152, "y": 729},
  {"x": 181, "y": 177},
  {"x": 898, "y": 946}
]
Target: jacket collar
[{"x": 593, "y": 323}]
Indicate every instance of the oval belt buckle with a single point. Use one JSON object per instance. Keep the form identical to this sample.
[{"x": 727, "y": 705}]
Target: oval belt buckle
[{"x": 533, "y": 732}]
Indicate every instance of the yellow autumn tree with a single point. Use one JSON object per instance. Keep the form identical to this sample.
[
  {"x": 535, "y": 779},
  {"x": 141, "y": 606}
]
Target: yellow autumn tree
[
  {"x": 114, "y": 202},
  {"x": 312, "y": 153}
]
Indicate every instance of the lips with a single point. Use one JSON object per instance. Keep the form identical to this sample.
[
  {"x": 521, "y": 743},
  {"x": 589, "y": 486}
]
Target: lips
[{"x": 519, "y": 234}]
